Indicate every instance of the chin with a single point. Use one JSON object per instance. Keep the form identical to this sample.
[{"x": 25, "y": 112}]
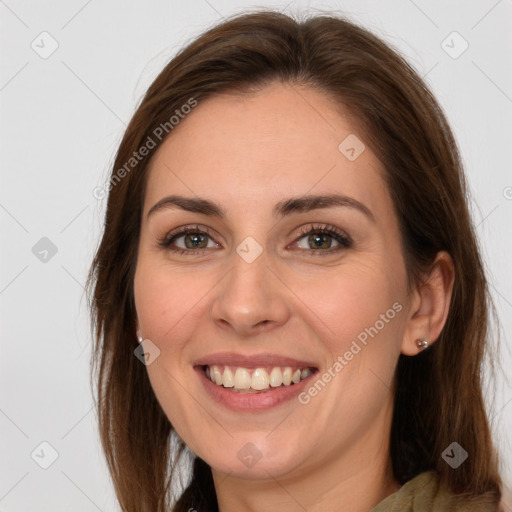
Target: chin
[{"x": 256, "y": 456}]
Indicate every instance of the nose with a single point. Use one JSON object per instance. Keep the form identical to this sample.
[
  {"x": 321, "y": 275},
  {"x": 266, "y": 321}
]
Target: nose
[{"x": 250, "y": 299}]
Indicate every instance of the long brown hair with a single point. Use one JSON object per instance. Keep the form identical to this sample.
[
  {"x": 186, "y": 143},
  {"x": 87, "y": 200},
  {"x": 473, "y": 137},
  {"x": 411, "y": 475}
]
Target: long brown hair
[{"x": 438, "y": 394}]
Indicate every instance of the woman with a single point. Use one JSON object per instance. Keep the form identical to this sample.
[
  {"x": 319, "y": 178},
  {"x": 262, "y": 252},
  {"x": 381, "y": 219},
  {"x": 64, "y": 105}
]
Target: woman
[{"x": 289, "y": 284}]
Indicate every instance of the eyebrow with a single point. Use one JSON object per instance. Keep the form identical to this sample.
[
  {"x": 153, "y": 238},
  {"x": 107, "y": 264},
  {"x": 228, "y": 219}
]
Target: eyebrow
[{"x": 283, "y": 208}]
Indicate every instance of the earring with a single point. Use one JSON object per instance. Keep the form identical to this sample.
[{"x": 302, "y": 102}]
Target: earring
[
  {"x": 139, "y": 339},
  {"x": 422, "y": 344}
]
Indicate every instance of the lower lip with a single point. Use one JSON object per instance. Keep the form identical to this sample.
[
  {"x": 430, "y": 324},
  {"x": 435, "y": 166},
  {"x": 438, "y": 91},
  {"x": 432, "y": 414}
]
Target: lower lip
[{"x": 250, "y": 402}]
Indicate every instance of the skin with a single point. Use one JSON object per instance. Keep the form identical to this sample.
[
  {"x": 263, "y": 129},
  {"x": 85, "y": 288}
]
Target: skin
[{"x": 247, "y": 153}]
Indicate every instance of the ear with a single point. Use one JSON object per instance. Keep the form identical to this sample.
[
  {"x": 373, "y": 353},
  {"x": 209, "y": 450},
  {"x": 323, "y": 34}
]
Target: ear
[
  {"x": 137, "y": 329},
  {"x": 430, "y": 303}
]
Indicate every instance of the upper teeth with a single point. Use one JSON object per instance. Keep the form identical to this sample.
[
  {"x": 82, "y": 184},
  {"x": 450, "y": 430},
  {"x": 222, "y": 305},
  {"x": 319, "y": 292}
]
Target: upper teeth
[{"x": 241, "y": 378}]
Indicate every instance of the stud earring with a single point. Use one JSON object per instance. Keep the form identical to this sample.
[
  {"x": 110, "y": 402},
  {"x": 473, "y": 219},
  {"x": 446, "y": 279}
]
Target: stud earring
[
  {"x": 423, "y": 344},
  {"x": 139, "y": 339}
]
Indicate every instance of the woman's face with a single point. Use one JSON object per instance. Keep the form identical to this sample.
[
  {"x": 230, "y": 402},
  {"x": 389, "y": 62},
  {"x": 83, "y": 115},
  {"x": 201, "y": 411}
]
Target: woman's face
[{"x": 271, "y": 284}]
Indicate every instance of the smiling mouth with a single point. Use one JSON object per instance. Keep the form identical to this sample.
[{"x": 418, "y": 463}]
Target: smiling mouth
[{"x": 255, "y": 380}]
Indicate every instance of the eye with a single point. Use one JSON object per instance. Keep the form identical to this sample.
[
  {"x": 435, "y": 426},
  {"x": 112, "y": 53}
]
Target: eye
[
  {"x": 188, "y": 240},
  {"x": 320, "y": 239},
  {"x": 192, "y": 240}
]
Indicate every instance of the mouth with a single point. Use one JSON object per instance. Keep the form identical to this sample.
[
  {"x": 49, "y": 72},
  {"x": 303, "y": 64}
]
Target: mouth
[
  {"x": 253, "y": 383},
  {"x": 257, "y": 380}
]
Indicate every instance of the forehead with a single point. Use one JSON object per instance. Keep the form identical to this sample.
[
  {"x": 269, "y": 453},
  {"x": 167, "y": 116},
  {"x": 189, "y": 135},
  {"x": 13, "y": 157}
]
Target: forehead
[{"x": 251, "y": 149}]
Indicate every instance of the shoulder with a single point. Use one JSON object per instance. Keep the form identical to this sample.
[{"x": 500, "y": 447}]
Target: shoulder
[
  {"x": 425, "y": 494},
  {"x": 506, "y": 500}
]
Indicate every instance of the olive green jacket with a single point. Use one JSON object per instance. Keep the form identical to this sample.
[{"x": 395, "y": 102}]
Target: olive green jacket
[{"x": 424, "y": 494}]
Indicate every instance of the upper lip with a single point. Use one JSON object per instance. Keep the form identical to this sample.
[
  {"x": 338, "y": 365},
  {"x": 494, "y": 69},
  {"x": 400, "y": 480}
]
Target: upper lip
[{"x": 251, "y": 361}]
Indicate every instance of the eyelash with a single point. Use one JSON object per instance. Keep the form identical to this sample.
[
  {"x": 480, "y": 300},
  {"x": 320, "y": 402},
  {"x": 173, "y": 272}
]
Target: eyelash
[{"x": 344, "y": 240}]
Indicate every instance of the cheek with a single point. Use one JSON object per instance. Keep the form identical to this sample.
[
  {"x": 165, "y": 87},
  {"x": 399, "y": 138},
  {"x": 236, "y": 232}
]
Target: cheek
[
  {"x": 354, "y": 302},
  {"x": 336, "y": 307},
  {"x": 358, "y": 312},
  {"x": 357, "y": 301},
  {"x": 165, "y": 299},
  {"x": 169, "y": 310}
]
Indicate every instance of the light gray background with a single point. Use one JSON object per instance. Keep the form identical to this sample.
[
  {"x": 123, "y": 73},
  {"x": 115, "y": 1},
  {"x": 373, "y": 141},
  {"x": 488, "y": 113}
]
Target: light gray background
[{"x": 62, "y": 118}]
